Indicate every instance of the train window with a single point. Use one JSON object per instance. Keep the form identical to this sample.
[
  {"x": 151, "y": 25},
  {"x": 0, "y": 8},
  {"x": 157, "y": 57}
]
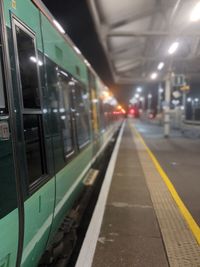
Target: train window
[
  {"x": 93, "y": 102},
  {"x": 65, "y": 106},
  {"x": 101, "y": 115},
  {"x": 2, "y": 99},
  {"x": 33, "y": 146},
  {"x": 28, "y": 62},
  {"x": 82, "y": 115}
]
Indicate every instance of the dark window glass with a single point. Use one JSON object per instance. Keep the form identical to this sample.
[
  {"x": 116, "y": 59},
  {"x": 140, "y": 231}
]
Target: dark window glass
[
  {"x": 93, "y": 103},
  {"x": 2, "y": 99},
  {"x": 65, "y": 105},
  {"x": 33, "y": 146},
  {"x": 28, "y": 69},
  {"x": 82, "y": 114},
  {"x": 102, "y": 115}
]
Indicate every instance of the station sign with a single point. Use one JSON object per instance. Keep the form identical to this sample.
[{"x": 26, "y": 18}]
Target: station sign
[{"x": 185, "y": 88}]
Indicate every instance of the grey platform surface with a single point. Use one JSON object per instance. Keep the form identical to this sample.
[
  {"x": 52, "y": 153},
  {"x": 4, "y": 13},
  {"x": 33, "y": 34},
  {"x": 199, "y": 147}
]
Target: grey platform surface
[
  {"x": 179, "y": 156},
  {"x": 130, "y": 234}
]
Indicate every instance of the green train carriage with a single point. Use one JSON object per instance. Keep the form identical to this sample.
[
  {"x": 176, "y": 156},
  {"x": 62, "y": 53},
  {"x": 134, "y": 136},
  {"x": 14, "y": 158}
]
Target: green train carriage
[{"x": 52, "y": 127}]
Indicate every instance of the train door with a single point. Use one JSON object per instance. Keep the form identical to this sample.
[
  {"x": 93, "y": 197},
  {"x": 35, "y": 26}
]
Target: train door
[
  {"x": 94, "y": 110},
  {"x": 39, "y": 189},
  {"x": 9, "y": 213}
]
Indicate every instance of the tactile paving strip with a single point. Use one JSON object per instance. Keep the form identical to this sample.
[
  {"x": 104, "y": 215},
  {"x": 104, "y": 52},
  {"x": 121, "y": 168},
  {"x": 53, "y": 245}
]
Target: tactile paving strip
[{"x": 181, "y": 246}]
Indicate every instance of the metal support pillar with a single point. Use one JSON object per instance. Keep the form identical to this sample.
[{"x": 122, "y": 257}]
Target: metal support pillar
[
  {"x": 149, "y": 102},
  {"x": 184, "y": 105},
  {"x": 160, "y": 90},
  {"x": 167, "y": 105}
]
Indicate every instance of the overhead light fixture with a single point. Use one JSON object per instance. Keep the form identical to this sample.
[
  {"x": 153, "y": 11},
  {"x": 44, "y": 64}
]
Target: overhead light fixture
[
  {"x": 136, "y": 96},
  {"x": 160, "y": 65},
  {"x": 154, "y": 75},
  {"x": 173, "y": 48},
  {"x": 139, "y": 89},
  {"x": 58, "y": 26},
  {"x": 195, "y": 14},
  {"x": 149, "y": 96}
]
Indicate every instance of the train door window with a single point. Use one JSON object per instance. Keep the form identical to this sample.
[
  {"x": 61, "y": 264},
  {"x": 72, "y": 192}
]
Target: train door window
[
  {"x": 2, "y": 95},
  {"x": 101, "y": 116},
  {"x": 2, "y": 99},
  {"x": 33, "y": 146},
  {"x": 28, "y": 69},
  {"x": 65, "y": 107},
  {"x": 82, "y": 114},
  {"x": 93, "y": 101},
  {"x": 28, "y": 65}
]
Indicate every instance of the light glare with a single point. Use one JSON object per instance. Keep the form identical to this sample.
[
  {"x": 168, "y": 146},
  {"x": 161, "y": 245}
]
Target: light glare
[
  {"x": 77, "y": 50},
  {"x": 160, "y": 65},
  {"x": 139, "y": 89},
  {"x": 136, "y": 95},
  {"x": 36, "y": 61},
  {"x": 87, "y": 63},
  {"x": 173, "y": 48},
  {"x": 195, "y": 14},
  {"x": 154, "y": 75},
  {"x": 58, "y": 26}
]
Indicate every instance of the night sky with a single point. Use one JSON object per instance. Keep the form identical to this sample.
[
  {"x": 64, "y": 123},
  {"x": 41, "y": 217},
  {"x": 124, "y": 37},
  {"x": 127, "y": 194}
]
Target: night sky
[{"x": 75, "y": 18}]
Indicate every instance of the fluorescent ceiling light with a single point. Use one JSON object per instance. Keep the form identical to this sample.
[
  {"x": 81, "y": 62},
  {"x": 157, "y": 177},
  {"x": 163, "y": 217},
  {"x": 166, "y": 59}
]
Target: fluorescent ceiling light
[
  {"x": 173, "y": 48},
  {"x": 136, "y": 95},
  {"x": 154, "y": 75},
  {"x": 139, "y": 89},
  {"x": 58, "y": 26},
  {"x": 160, "y": 65},
  {"x": 195, "y": 14}
]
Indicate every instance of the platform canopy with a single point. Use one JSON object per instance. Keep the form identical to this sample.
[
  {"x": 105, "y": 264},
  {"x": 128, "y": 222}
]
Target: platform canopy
[{"x": 137, "y": 34}]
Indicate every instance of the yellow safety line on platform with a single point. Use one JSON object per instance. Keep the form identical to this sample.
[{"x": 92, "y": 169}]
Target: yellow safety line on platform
[{"x": 184, "y": 211}]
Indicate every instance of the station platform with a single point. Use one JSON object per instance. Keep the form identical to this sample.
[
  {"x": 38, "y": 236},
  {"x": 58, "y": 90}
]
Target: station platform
[{"x": 148, "y": 211}]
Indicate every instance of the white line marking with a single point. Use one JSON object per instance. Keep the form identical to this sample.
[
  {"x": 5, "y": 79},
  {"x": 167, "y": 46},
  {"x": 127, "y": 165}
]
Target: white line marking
[{"x": 89, "y": 244}]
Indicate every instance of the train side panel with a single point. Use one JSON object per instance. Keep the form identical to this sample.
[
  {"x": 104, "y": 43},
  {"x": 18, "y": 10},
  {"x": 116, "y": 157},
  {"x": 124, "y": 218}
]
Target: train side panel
[
  {"x": 69, "y": 170},
  {"x": 68, "y": 154},
  {"x": 9, "y": 221},
  {"x": 9, "y": 214},
  {"x": 39, "y": 204}
]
